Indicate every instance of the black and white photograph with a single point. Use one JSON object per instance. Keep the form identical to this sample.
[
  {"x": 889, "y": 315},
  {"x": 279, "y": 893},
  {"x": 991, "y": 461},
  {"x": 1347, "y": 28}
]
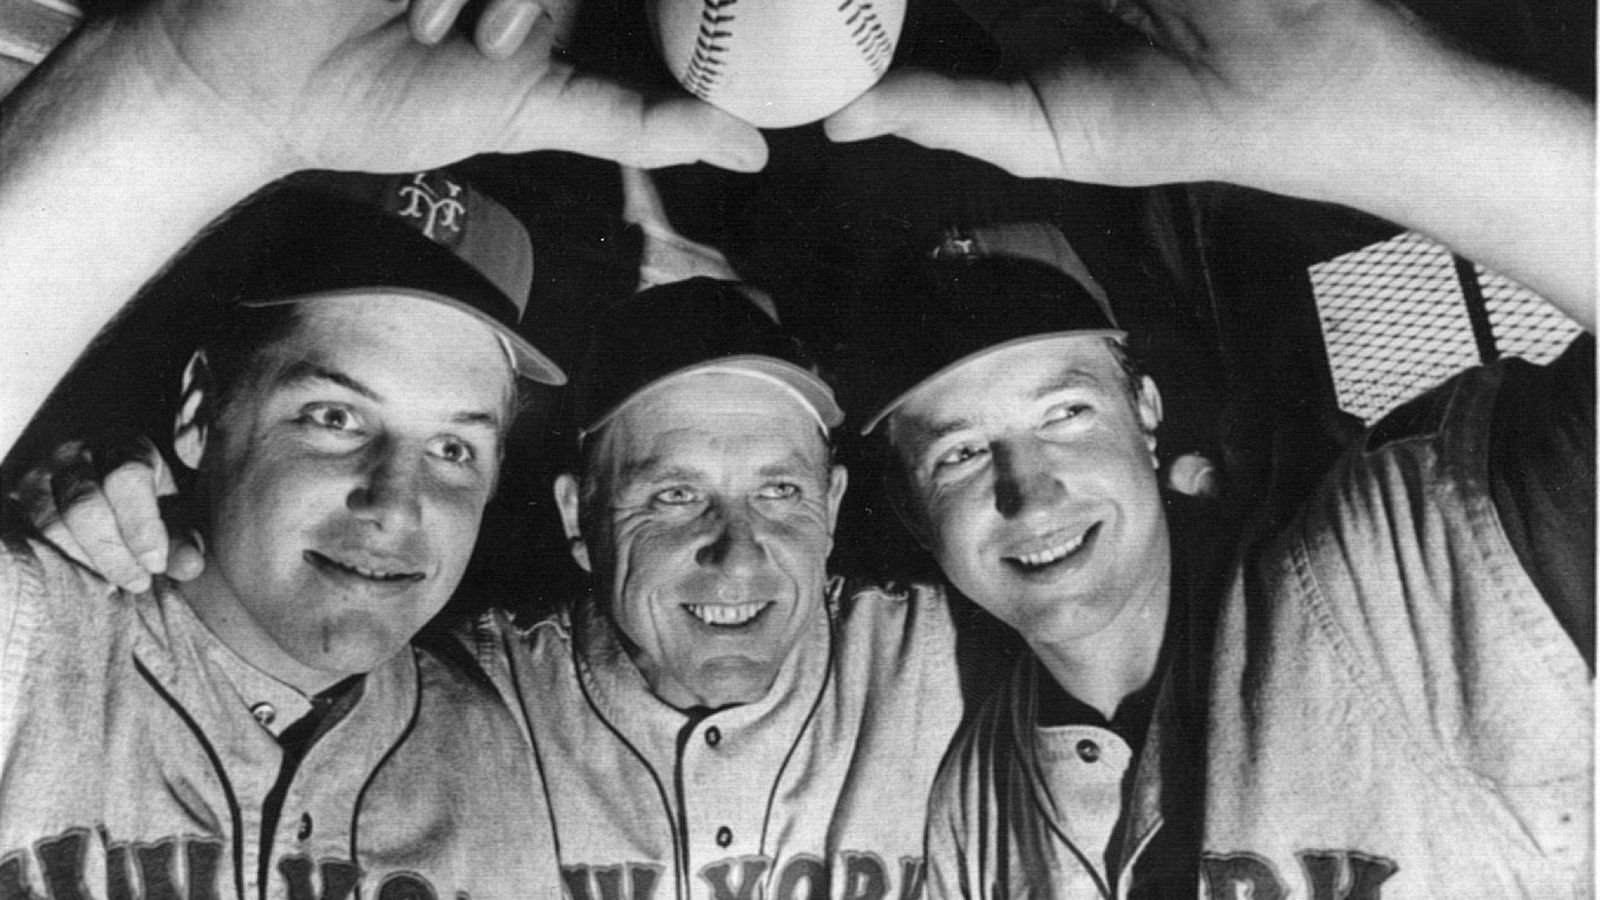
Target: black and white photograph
[{"x": 797, "y": 449}]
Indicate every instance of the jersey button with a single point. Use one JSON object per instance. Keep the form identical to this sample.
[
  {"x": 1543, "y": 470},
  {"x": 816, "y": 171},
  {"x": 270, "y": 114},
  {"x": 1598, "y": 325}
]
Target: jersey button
[
  {"x": 305, "y": 827},
  {"x": 724, "y": 837},
  {"x": 1088, "y": 751},
  {"x": 264, "y": 713},
  {"x": 713, "y": 736}
]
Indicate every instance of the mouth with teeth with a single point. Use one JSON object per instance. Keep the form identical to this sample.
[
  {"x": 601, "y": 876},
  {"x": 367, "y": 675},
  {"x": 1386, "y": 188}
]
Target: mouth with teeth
[
  {"x": 723, "y": 615},
  {"x": 378, "y": 575},
  {"x": 1056, "y": 553}
]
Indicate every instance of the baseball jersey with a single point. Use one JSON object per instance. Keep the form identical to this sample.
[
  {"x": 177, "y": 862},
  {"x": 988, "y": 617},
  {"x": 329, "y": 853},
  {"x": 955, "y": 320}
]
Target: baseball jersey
[
  {"x": 137, "y": 752},
  {"x": 1041, "y": 796},
  {"x": 818, "y": 790},
  {"x": 1396, "y": 710}
]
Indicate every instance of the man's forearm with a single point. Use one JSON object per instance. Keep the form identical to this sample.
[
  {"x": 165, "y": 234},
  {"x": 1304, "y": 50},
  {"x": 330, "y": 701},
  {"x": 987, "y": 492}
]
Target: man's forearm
[
  {"x": 1493, "y": 163},
  {"x": 106, "y": 175}
]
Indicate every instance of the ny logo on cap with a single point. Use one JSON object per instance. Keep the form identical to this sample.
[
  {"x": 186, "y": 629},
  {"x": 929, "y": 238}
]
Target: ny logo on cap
[
  {"x": 433, "y": 208},
  {"x": 956, "y": 244}
]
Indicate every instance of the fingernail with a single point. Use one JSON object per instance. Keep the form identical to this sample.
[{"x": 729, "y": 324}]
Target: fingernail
[
  {"x": 506, "y": 34},
  {"x": 437, "y": 22},
  {"x": 139, "y": 585},
  {"x": 153, "y": 560},
  {"x": 738, "y": 157}
]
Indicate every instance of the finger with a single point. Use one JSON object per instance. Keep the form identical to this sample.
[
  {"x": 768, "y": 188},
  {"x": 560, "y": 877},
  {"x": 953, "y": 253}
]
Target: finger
[
  {"x": 431, "y": 20},
  {"x": 995, "y": 121},
  {"x": 89, "y": 517},
  {"x": 130, "y": 490},
  {"x": 37, "y": 503},
  {"x": 600, "y": 118},
  {"x": 505, "y": 25},
  {"x": 185, "y": 558}
]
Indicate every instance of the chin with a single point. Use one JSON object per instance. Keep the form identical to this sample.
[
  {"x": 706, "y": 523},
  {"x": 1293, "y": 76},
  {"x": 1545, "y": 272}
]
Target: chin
[
  {"x": 350, "y": 654},
  {"x": 735, "y": 685}
]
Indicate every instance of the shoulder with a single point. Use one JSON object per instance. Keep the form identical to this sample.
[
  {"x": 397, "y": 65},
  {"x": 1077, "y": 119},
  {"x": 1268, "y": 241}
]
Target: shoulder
[
  {"x": 891, "y": 610},
  {"x": 980, "y": 756},
  {"x": 34, "y": 575},
  {"x": 878, "y": 595}
]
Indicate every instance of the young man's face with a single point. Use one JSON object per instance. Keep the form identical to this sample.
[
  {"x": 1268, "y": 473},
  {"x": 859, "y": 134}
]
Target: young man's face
[
  {"x": 710, "y": 532},
  {"x": 346, "y": 482},
  {"x": 1031, "y": 475}
]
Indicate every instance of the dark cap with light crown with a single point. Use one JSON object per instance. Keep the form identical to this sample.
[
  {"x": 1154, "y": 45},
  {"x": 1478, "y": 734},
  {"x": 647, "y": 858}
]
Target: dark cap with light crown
[
  {"x": 693, "y": 327},
  {"x": 979, "y": 292},
  {"x": 318, "y": 235}
]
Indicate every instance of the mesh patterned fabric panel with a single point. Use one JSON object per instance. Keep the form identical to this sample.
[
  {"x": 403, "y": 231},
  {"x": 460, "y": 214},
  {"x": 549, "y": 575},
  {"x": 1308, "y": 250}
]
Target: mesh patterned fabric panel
[
  {"x": 1395, "y": 322},
  {"x": 1524, "y": 325}
]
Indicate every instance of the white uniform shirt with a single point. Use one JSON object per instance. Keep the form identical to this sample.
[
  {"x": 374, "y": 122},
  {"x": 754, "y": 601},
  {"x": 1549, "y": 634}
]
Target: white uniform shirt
[
  {"x": 1396, "y": 711},
  {"x": 818, "y": 790},
  {"x": 131, "y": 764}
]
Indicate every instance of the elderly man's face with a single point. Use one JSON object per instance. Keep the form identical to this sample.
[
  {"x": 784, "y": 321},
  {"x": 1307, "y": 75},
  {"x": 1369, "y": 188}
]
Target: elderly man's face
[
  {"x": 708, "y": 533},
  {"x": 1031, "y": 474},
  {"x": 346, "y": 482}
]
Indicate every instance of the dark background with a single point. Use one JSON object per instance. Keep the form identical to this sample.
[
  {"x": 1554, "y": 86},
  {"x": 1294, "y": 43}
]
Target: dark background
[{"x": 1212, "y": 279}]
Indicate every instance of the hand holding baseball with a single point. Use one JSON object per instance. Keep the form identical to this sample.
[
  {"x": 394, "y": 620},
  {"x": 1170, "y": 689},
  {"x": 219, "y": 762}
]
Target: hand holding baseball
[
  {"x": 1143, "y": 91},
  {"x": 1344, "y": 101},
  {"x": 382, "y": 86}
]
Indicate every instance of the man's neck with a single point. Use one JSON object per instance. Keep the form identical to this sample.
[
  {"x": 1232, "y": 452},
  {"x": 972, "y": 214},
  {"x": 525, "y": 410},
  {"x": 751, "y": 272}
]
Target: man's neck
[
  {"x": 1104, "y": 668},
  {"x": 216, "y": 606}
]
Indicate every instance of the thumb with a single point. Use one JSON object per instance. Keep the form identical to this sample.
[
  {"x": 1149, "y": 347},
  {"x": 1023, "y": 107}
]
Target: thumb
[
  {"x": 185, "y": 557},
  {"x": 1000, "y": 122},
  {"x": 598, "y": 117}
]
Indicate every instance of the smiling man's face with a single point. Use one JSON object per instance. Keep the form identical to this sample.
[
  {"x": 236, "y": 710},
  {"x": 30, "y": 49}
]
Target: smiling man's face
[
  {"x": 346, "y": 482},
  {"x": 708, "y": 532},
  {"x": 1031, "y": 475}
]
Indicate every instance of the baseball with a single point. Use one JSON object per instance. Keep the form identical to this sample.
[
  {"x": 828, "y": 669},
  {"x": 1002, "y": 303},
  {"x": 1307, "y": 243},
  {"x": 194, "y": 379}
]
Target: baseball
[{"x": 777, "y": 63}]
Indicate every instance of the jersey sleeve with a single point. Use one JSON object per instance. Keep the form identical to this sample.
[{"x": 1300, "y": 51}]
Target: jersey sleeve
[{"x": 1541, "y": 476}]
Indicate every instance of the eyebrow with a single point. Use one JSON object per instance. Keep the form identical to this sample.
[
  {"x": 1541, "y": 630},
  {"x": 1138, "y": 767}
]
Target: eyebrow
[
  {"x": 305, "y": 372},
  {"x": 1068, "y": 378},
  {"x": 651, "y": 470},
  {"x": 789, "y": 465},
  {"x": 921, "y": 433}
]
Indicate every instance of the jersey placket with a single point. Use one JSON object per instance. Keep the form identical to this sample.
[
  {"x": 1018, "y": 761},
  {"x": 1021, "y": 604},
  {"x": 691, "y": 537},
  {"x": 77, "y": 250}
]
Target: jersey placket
[{"x": 724, "y": 809}]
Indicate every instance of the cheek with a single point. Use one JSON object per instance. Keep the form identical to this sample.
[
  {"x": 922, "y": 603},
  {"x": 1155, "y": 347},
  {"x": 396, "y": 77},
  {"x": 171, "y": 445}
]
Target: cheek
[
  {"x": 456, "y": 514},
  {"x": 272, "y": 499},
  {"x": 955, "y": 520}
]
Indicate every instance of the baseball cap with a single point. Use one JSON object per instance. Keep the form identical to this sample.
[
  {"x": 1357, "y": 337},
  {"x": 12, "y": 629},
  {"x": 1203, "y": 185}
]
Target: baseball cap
[
  {"x": 426, "y": 235},
  {"x": 696, "y": 326},
  {"x": 980, "y": 292}
]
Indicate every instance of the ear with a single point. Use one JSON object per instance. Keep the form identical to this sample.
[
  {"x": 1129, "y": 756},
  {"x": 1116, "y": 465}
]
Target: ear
[
  {"x": 567, "y": 493},
  {"x": 193, "y": 421},
  {"x": 838, "y": 480},
  {"x": 1149, "y": 406}
]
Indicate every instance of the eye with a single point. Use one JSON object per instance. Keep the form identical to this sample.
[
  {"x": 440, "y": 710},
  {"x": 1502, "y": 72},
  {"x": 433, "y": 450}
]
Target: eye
[
  {"x": 959, "y": 456},
  {"x": 676, "y": 496},
  {"x": 453, "y": 450},
  {"x": 334, "y": 417},
  {"x": 1066, "y": 412},
  {"x": 782, "y": 490}
]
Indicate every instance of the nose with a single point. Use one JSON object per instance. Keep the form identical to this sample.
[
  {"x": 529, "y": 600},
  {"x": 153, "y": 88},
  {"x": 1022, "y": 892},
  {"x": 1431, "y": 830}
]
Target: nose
[
  {"x": 1024, "y": 478},
  {"x": 733, "y": 544},
  {"x": 387, "y": 492}
]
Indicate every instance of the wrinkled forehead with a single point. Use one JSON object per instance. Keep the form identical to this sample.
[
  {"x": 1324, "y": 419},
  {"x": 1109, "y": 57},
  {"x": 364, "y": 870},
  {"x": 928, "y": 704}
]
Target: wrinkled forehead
[
  {"x": 708, "y": 413},
  {"x": 395, "y": 341},
  {"x": 1002, "y": 378}
]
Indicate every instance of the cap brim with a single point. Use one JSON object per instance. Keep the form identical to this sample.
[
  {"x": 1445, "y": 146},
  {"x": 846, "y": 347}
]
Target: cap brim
[
  {"x": 811, "y": 389},
  {"x": 525, "y": 358},
  {"x": 888, "y": 409}
]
